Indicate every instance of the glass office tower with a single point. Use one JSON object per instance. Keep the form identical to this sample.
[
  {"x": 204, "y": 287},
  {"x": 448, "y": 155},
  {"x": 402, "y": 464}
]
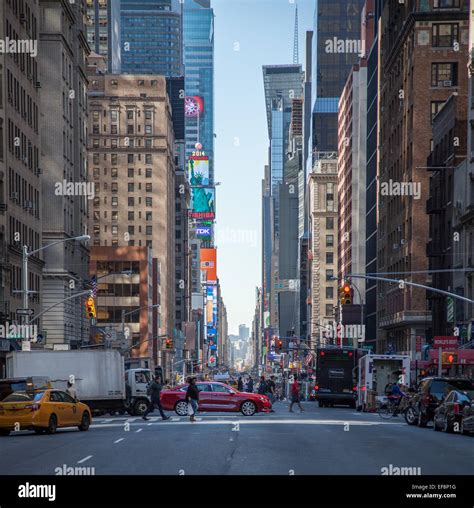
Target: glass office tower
[
  {"x": 151, "y": 37},
  {"x": 336, "y": 48},
  {"x": 198, "y": 31}
]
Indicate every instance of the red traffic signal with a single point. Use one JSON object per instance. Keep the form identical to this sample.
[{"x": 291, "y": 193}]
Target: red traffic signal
[{"x": 90, "y": 307}]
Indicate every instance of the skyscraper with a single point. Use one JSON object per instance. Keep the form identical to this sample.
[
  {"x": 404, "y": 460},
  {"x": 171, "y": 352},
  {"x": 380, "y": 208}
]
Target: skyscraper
[
  {"x": 103, "y": 31},
  {"x": 151, "y": 37},
  {"x": 336, "y": 47},
  {"x": 198, "y": 32}
]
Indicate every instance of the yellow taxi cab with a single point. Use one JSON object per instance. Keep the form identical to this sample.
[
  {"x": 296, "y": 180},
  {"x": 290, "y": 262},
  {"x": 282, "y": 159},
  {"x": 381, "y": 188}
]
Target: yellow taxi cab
[{"x": 42, "y": 411}]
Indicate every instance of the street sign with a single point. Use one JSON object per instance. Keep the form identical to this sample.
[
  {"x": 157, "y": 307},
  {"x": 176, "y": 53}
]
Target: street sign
[{"x": 25, "y": 312}]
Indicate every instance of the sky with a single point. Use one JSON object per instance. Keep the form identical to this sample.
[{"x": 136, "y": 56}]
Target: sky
[{"x": 248, "y": 34}]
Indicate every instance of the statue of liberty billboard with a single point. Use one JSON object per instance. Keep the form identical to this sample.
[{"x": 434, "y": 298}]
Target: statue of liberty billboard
[
  {"x": 203, "y": 202},
  {"x": 198, "y": 171}
]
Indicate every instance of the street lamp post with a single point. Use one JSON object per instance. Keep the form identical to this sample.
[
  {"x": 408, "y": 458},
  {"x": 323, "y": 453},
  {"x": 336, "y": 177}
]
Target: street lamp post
[{"x": 25, "y": 291}]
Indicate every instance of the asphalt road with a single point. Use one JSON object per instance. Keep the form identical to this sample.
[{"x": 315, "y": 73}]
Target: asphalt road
[{"x": 317, "y": 441}]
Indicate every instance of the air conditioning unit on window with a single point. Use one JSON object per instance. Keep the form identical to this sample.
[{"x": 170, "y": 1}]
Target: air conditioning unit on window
[
  {"x": 14, "y": 196},
  {"x": 447, "y": 82}
]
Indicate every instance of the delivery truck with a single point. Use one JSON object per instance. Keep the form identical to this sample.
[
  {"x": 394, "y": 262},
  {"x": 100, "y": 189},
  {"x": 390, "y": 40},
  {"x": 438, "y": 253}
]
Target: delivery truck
[
  {"x": 375, "y": 372},
  {"x": 100, "y": 378}
]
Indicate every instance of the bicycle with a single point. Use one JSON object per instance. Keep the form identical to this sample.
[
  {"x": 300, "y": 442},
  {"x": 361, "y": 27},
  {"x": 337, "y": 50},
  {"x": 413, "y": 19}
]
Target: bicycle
[{"x": 388, "y": 409}]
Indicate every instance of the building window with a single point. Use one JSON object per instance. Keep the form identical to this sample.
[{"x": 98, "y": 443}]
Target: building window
[
  {"x": 95, "y": 116},
  {"x": 149, "y": 201},
  {"x": 444, "y": 74},
  {"x": 329, "y": 275},
  {"x": 113, "y": 143},
  {"x": 148, "y": 158},
  {"x": 131, "y": 215},
  {"x": 96, "y": 158},
  {"x": 330, "y": 293},
  {"x": 114, "y": 230},
  {"x": 148, "y": 114},
  {"x": 149, "y": 230},
  {"x": 445, "y": 35},
  {"x": 130, "y": 158},
  {"x": 131, "y": 201},
  {"x": 131, "y": 230},
  {"x": 436, "y": 107},
  {"x": 130, "y": 172},
  {"x": 96, "y": 172},
  {"x": 114, "y": 187},
  {"x": 149, "y": 215},
  {"x": 95, "y": 129},
  {"x": 129, "y": 129},
  {"x": 114, "y": 159},
  {"x": 114, "y": 172},
  {"x": 131, "y": 187},
  {"x": 329, "y": 258},
  {"x": 329, "y": 222},
  {"x": 113, "y": 129},
  {"x": 445, "y": 4},
  {"x": 114, "y": 117},
  {"x": 129, "y": 114},
  {"x": 329, "y": 309},
  {"x": 114, "y": 201},
  {"x": 149, "y": 187},
  {"x": 148, "y": 143},
  {"x": 147, "y": 129},
  {"x": 114, "y": 215},
  {"x": 148, "y": 172},
  {"x": 329, "y": 240}
]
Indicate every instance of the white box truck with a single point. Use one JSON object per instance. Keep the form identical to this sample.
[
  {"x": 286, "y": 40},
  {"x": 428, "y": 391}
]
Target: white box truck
[
  {"x": 100, "y": 378},
  {"x": 376, "y": 371}
]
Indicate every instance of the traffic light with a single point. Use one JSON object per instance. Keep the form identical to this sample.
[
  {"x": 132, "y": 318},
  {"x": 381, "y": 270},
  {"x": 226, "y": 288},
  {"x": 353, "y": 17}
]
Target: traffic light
[
  {"x": 169, "y": 343},
  {"x": 449, "y": 358},
  {"x": 279, "y": 345},
  {"x": 345, "y": 294},
  {"x": 90, "y": 307}
]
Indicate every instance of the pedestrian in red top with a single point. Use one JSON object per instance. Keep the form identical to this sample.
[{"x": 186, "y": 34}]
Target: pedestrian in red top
[{"x": 295, "y": 395}]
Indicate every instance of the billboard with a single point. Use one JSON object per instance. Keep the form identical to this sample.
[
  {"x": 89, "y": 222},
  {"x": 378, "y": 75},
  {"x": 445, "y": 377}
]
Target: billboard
[
  {"x": 203, "y": 232},
  {"x": 198, "y": 170},
  {"x": 193, "y": 106},
  {"x": 203, "y": 203},
  {"x": 209, "y": 265}
]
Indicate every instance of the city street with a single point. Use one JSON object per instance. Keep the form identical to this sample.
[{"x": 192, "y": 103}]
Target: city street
[{"x": 318, "y": 441}]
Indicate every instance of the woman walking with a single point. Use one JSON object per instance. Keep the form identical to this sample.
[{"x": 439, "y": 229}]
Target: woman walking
[{"x": 192, "y": 398}]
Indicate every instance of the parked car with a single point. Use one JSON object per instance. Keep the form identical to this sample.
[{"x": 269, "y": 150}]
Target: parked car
[
  {"x": 215, "y": 396},
  {"x": 430, "y": 394},
  {"x": 467, "y": 422},
  {"x": 42, "y": 411},
  {"x": 449, "y": 414}
]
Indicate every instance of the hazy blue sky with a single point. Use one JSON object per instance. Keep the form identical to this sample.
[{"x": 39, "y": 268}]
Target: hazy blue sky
[{"x": 248, "y": 34}]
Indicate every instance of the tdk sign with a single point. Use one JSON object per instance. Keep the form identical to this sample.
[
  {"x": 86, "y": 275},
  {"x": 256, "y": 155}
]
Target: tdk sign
[{"x": 203, "y": 231}]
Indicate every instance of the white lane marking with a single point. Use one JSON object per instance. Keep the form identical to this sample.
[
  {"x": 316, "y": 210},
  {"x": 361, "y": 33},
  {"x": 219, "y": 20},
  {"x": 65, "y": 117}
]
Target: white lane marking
[
  {"x": 108, "y": 420},
  {"x": 175, "y": 419},
  {"x": 84, "y": 459},
  {"x": 266, "y": 422},
  {"x": 139, "y": 430},
  {"x": 118, "y": 440},
  {"x": 149, "y": 424},
  {"x": 130, "y": 420}
]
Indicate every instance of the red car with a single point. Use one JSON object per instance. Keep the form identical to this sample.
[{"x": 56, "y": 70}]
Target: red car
[{"x": 214, "y": 396}]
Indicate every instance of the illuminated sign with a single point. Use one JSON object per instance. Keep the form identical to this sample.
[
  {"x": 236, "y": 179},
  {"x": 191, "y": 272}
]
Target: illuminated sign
[
  {"x": 198, "y": 171},
  {"x": 209, "y": 264},
  {"x": 193, "y": 106},
  {"x": 203, "y": 203},
  {"x": 203, "y": 232}
]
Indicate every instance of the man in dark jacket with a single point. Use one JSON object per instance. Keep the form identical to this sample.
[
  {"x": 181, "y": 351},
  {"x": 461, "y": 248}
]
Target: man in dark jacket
[
  {"x": 153, "y": 391},
  {"x": 240, "y": 385},
  {"x": 250, "y": 385},
  {"x": 192, "y": 397}
]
